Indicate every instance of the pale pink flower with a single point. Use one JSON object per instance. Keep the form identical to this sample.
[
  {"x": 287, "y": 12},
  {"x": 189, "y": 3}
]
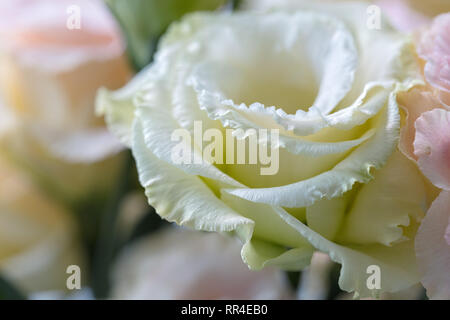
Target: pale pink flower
[
  {"x": 432, "y": 149},
  {"x": 401, "y": 15},
  {"x": 425, "y": 138},
  {"x": 182, "y": 264},
  {"x": 434, "y": 48},
  {"x": 54, "y": 55},
  {"x": 59, "y": 35},
  {"x": 433, "y": 248}
]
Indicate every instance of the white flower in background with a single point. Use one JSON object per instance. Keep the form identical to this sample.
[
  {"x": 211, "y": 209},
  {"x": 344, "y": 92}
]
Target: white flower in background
[
  {"x": 49, "y": 75},
  {"x": 37, "y": 236},
  {"x": 404, "y": 15},
  {"x": 182, "y": 264},
  {"x": 411, "y": 15},
  {"x": 315, "y": 280},
  {"x": 429, "y": 8},
  {"x": 315, "y": 72}
]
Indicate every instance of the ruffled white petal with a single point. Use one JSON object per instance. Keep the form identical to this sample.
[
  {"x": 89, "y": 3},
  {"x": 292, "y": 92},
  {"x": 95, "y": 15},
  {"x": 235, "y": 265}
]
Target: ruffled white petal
[
  {"x": 196, "y": 206},
  {"x": 397, "y": 263},
  {"x": 333, "y": 183}
]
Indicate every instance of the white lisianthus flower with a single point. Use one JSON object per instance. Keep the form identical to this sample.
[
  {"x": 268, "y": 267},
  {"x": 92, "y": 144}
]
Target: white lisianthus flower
[
  {"x": 53, "y": 58},
  {"x": 181, "y": 264},
  {"x": 38, "y": 238},
  {"x": 328, "y": 84}
]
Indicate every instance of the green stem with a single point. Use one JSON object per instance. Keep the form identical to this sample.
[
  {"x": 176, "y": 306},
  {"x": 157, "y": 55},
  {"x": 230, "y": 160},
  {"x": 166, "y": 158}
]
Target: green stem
[
  {"x": 107, "y": 239},
  {"x": 9, "y": 292}
]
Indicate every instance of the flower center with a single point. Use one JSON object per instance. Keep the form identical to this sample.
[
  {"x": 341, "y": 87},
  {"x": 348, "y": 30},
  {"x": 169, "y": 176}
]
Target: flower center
[{"x": 290, "y": 61}]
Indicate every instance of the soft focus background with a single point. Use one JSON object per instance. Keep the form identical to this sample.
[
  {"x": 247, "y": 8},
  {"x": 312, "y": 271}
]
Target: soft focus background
[{"x": 69, "y": 193}]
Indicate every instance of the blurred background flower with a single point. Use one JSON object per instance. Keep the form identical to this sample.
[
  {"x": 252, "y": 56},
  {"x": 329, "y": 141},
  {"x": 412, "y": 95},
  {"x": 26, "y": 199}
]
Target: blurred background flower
[
  {"x": 429, "y": 8},
  {"x": 434, "y": 49},
  {"x": 409, "y": 15},
  {"x": 405, "y": 15},
  {"x": 426, "y": 139},
  {"x": 38, "y": 237},
  {"x": 183, "y": 264},
  {"x": 49, "y": 75}
]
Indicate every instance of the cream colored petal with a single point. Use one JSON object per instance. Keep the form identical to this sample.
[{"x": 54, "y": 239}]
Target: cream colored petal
[
  {"x": 381, "y": 209},
  {"x": 118, "y": 107},
  {"x": 333, "y": 183},
  {"x": 197, "y": 206},
  {"x": 397, "y": 263}
]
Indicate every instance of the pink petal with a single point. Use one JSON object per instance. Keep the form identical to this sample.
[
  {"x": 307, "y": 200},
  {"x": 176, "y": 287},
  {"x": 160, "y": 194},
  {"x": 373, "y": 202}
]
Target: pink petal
[
  {"x": 37, "y": 32},
  {"x": 444, "y": 98},
  {"x": 434, "y": 48},
  {"x": 447, "y": 233},
  {"x": 437, "y": 72},
  {"x": 414, "y": 103},
  {"x": 183, "y": 264},
  {"x": 432, "y": 146},
  {"x": 433, "y": 248},
  {"x": 401, "y": 15}
]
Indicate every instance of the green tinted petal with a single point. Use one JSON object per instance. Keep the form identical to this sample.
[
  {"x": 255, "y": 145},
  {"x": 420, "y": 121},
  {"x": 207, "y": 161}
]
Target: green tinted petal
[
  {"x": 381, "y": 208},
  {"x": 326, "y": 216},
  {"x": 259, "y": 253},
  {"x": 397, "y": 263}
]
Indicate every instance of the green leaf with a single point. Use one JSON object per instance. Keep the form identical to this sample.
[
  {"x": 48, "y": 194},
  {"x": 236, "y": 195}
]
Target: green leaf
[
  {"x": 149, "y": 223},
  {"x": 144, "y": 21},
  {"x": 108, "y": 241},
  {"x": 8, "y": 291}
]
